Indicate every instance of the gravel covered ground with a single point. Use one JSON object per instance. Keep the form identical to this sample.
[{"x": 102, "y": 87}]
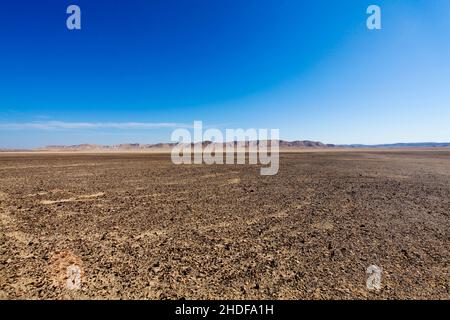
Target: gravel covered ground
[{"x": 137, "y": 226}]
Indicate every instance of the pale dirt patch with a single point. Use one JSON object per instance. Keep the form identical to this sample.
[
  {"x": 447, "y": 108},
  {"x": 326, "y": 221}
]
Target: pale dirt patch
[
  {"x": 5, "y": 218},
  {"x": 19, "y": 236},
  {"x": 3, "y": 196},
  {"x": 95, "y": 195},
  {"x": 279, "y": 215},
  {"x": 232, "y": 181},
  {"x": 43, "y": 193},
  {"x": 57, "y": 201},
  {"x": 79, "y": 198},
  {"x": 213, "y": 175},
  {"x": 323, "y": 225}
]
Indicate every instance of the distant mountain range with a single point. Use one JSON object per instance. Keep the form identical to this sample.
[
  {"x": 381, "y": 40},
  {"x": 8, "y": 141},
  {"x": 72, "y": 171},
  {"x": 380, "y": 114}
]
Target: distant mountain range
[
  {"x": 284, "y": 145},
  {"x": 299, "y": 144},
  {"x": 400, "y": 145},
  {"x": 138, "y": 146}
]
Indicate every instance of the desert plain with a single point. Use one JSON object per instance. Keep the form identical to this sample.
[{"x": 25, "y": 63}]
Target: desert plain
[{"x": 137, "y": 226}]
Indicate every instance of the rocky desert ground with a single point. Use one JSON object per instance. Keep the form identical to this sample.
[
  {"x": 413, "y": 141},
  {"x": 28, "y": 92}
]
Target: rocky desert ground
[{"x": 136, "y": 226}]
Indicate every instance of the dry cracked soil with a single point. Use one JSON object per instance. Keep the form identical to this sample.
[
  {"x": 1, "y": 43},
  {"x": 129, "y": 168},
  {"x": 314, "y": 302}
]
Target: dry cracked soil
[{"x": 136, "y": 226}]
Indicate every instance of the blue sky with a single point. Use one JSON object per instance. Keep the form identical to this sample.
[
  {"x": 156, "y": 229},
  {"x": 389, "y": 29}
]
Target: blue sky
[{"x": 138, "y": 69}]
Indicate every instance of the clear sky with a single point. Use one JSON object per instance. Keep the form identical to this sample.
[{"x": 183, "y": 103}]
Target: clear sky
[{"x": 140, "y": 68}]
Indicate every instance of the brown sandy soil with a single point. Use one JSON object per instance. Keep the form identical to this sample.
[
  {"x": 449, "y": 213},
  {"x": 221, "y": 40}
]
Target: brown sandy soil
[{"x": 137, "y": 226}]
